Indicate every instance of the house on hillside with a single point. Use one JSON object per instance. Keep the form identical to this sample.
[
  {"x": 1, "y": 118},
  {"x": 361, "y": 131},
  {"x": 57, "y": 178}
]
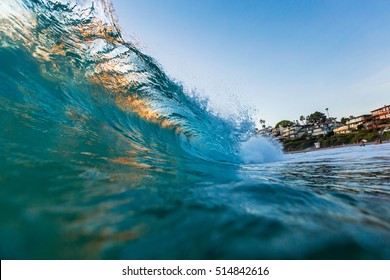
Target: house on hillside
[
  {"x": 293, "y": 132},
  {"x": 342, "y": 130},
  {"x": 355, "y": 122},
  {"x": 277, "y": 132},
  {"x": 379, "y": 117},
  {"x": 266, "y": 131},
  {"x": 319, "y": 130},
  {"x": 323, "y": 129},
  {"x": 381, "y": 113}
]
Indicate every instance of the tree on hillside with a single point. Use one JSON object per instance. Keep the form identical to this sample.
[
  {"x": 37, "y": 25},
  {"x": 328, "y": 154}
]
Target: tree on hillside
[
  {"x": 262, "y": 122},
  {"x": 284, "y": 123},
  {"x": 302, "y": 119},
  {"x": 316, "y": 118},
  {"x": 344, "y": 120}
]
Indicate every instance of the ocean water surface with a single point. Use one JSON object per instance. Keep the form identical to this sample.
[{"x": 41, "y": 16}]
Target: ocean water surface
[{"x": 103, "y": 156}]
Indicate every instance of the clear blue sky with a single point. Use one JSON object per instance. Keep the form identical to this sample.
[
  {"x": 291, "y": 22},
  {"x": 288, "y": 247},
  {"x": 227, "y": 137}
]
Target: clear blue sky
[{"x": 285, "y": 58}]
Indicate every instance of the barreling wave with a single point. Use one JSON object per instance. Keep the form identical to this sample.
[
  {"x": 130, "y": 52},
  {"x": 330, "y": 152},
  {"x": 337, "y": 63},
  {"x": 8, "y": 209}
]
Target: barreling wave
[{"x": 67, "y": 60}]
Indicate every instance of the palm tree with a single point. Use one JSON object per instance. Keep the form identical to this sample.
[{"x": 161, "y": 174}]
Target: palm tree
[
  {"x": 327, "y": 111},
  {"x": 262, "y": 122},
  {"x": 302, "y": 119}
]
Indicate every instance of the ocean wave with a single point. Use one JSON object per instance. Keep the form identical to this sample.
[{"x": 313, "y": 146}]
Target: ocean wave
[{"x": 77, "y": 47}]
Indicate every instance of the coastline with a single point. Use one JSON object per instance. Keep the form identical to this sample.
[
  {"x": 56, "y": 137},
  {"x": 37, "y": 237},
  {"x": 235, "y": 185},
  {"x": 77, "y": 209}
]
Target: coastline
[{"x": 334, "y": 147}]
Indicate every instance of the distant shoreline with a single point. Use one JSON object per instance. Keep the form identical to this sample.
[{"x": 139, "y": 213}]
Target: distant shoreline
[{"x": 334, "y": 147}]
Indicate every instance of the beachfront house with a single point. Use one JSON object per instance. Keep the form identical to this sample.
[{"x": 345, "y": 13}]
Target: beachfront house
[
  {"x": 318, "y": 130},
  {"x": 354, "y": 123},
  {"x": 293, "y": 132},
  {"x": 342, "y": 129},
  {"x": 379, "y": 117},
  {"x": 323, "y": 129},
  {"x": 277, "y": 132},
  {"x": 381, "y": 113},
  {"x": 266, "y": 131}
]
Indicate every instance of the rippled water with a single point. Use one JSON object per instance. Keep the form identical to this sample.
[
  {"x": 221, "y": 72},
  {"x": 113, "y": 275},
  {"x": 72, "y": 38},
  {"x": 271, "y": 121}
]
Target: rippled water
[
  {"x": 104, "y": 156},
  {"x": 325, "y": 204}
]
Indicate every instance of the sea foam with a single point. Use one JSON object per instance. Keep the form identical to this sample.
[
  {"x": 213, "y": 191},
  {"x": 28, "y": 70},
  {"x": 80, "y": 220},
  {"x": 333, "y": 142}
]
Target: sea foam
[{"x": 259, "y": 149}]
